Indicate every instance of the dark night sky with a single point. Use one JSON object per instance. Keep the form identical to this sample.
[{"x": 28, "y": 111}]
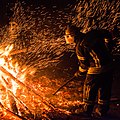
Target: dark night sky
[{"x": 5, "y": 6}]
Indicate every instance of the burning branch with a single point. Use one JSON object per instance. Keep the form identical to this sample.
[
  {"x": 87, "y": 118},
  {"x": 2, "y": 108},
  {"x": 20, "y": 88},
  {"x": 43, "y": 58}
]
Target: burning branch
[
  {"x": 23, "y": 85},
  {"x": 11, "y": 93},
  {"x": 8, "y": 114},
  {"x": 18, "y": 51}
]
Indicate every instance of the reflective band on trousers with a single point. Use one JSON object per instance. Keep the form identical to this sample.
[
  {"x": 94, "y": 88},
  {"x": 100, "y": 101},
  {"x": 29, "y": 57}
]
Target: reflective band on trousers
[{"x": 97, "y": 70}]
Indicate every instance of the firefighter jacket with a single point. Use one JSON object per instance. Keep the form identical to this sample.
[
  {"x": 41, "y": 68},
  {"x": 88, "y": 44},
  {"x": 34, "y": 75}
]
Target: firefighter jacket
[{"x": 94, "y": 52}]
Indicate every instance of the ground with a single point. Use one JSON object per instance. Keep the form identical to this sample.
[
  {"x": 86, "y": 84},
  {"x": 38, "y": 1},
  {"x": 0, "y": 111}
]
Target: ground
[{"x": 38, "y": 95}]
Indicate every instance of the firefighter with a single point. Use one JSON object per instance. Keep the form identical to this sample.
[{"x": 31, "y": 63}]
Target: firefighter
[{"x": 93, "y": 50}]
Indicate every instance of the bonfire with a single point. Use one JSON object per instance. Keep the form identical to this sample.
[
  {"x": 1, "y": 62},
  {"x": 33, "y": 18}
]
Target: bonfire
[{"x": 35, "y": 62}]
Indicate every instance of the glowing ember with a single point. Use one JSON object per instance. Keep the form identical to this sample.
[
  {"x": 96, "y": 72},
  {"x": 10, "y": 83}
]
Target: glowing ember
[
  {"x": 34, "y": 41},
  {"x": 13, "y": 79},
  {"x": 6, "y": 63}
]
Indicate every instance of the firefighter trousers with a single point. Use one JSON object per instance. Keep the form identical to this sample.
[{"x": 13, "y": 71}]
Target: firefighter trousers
[{"x": 97, "y": 88}]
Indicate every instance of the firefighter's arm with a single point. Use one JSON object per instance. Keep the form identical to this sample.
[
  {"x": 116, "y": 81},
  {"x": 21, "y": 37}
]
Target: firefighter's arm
[
  {"x": 82, "y": 52},
  {"x": 83, "y": 63},
  {"x": 82, "y": 68}
]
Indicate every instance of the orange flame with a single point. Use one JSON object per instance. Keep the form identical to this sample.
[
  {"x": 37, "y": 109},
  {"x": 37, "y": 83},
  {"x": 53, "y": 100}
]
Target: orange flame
[{"x": 13, "y": 68}]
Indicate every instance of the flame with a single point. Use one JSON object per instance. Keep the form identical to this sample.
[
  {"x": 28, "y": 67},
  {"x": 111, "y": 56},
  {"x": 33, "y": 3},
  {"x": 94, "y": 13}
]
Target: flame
[
  {"x": 43, "y": 85},
  {"x": 13, "y": 68}
]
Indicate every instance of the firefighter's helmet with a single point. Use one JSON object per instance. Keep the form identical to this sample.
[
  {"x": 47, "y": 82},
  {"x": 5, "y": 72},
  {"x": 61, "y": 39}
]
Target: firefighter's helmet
[{"x": 71, "y": 33}]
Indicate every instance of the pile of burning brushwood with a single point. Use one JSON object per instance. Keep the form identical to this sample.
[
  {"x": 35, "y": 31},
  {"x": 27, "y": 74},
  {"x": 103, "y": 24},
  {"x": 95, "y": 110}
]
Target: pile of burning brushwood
[
  {"x": 19, "y": 88},
  {"x": 29, "y": 47}
]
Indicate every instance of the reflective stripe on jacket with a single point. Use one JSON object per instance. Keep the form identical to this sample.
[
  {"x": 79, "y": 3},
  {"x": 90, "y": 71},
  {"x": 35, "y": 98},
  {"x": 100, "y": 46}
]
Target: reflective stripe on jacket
[
  {"x": 98, "y": 70},
  {"x": 95, "y": 57}
]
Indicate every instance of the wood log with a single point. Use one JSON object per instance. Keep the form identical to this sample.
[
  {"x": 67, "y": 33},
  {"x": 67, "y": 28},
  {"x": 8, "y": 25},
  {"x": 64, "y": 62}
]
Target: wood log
[
  {"x": 27, "y": 87},
  {"x": 19, "y": 101},
  {"x": 6, "y": 114},
  {"x": 12, "y": 102}
]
